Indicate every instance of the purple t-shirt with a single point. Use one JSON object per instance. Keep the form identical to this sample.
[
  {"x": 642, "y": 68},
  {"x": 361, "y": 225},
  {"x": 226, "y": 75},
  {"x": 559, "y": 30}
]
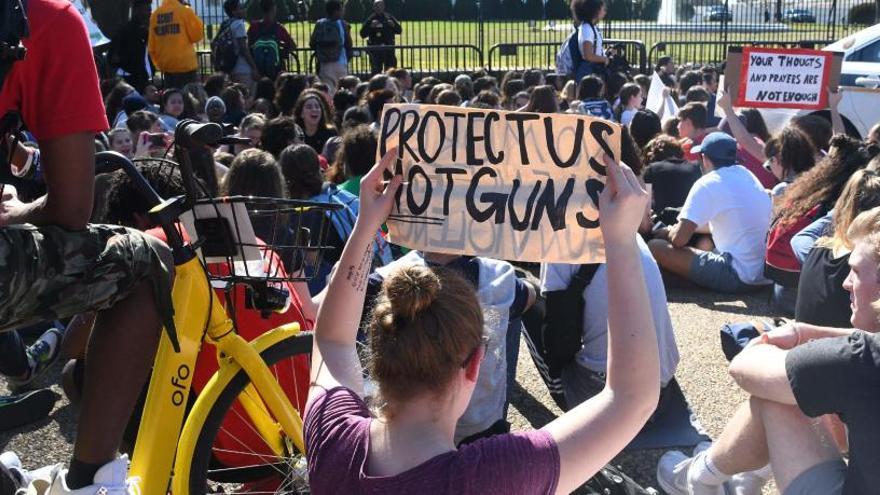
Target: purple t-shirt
[{"x": 337, "y": 431}]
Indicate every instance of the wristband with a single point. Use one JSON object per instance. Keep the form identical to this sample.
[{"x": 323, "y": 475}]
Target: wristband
[{"x": 797, "y": 333}]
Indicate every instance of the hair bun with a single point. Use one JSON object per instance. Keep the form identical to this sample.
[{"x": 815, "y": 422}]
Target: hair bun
[
  {"x": 844, "y": 143},
  {"x": 411, "y": 290}
]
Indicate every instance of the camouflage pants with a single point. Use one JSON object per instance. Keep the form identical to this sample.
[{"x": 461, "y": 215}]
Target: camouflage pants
[{"x": 47, "y": 273}]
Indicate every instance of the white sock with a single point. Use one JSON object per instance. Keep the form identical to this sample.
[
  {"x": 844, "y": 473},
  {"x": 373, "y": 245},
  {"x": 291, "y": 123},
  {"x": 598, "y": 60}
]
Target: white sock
[{"x": 703, "y": 470}]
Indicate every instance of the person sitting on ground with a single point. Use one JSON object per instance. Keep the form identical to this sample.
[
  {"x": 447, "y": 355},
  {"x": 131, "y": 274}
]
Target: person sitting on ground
[
  {"x": 542, "y": 100},
  {"x": 794, "y": 374},
  {"x": 121, "y": 142},
  {"x": 591, "y": 91},
  {"x": 789, "y": 154},
  {"x": 585, "y": 377},
  {"x": 729, "y": 203},
  {"x": 251, "y": 127},
  {"x": 644, "y": 127},
  {"x": 56, "y": 265},
  {"x": 313, "y": 115},
  {"x": 356, "y": 157},
  {"x": 630, "y": 103},
  {"x": 304, "y": 181},
  {"x": 171, "y": 108},
  {"x": 503, "y": 299},
  {"x": 279, "y": 133},
  {"x": 821, "y": 299},
  {"x": 215, "y": 110},
  {"x": 427, "y": 346},
  {"x": 751, "y": 134},
  {"x": 692, "y": 128},
  {"x": 670, "y": 176}
]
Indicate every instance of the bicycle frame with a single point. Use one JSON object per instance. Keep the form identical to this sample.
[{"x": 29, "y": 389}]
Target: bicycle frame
[{"x": 198, "y": 315}]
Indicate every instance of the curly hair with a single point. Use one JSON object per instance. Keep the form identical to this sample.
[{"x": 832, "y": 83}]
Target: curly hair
[{"x": 822, "y": 184}]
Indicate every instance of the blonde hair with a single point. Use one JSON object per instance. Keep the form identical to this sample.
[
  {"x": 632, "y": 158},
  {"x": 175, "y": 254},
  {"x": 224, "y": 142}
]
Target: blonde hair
[
  {"x": 866, "y": 227},
  {"x": 861, "y": 193}
]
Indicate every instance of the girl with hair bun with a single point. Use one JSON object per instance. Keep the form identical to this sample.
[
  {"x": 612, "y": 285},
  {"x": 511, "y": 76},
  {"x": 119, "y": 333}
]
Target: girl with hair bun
[{"x": 426, "y": 348}]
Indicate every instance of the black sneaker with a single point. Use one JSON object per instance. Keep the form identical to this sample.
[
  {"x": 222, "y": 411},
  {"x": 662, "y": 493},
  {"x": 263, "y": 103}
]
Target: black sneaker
[{"x": 23, "y": 409}]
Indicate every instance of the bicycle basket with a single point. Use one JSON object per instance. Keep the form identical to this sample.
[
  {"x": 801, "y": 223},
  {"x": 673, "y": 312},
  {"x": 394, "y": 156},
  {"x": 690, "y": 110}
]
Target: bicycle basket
[{"x": 253, "y": 240}]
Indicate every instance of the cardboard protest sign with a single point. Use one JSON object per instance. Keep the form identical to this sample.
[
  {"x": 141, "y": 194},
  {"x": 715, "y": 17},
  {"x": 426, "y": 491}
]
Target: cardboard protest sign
[
  {"x": 781, "y": 78},
  {"x": 654, "y": 101},
  {"x": 507, "y": 185}
]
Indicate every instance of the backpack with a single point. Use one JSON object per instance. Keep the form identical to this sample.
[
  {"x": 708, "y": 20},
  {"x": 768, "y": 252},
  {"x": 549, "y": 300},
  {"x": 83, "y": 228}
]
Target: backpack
[
  {"x": 327, "y": 41},
  {"x": 224, "y": 52},
  {"x": 780, "y": 263},
  {"x": 565, "y": 58},
  {"x": 610, "y": 480},
  {"x": 554, "y": 330},
  {"x": 266, "y": 52}
]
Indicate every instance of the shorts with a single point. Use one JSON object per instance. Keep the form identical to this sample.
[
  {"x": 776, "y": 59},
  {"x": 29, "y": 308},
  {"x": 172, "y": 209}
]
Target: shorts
[
  {"x": 49, "y": 273},
  {"x": 826, "y": 478},
  {"x": 715, "y": 271}
]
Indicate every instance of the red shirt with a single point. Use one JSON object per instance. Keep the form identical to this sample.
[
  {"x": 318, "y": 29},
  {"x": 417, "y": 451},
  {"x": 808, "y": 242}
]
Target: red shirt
[
  {"x": 688, "y": 144},
  {"x": 55, "y": 88}
]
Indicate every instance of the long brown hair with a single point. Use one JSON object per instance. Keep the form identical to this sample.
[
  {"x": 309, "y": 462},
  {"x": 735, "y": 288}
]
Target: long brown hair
[
  {"x": 326, "y": 121},
  {"x": 822, "y": 184},
  {"x": 426, "y": 324},
  {"x": 543, "y": 100}
]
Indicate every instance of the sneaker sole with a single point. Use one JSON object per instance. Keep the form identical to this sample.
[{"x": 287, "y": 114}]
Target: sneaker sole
[
  {"x": 26, "y": 409},
  {"x": 17, "y": 386}
]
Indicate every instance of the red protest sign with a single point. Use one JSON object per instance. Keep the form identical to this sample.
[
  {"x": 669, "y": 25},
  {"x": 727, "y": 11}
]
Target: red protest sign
[{"x": 784, "y": 78}]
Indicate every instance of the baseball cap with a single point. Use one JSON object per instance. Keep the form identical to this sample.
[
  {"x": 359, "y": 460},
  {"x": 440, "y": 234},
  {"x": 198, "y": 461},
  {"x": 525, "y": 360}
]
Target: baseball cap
[{"x": 719, "y": 147}]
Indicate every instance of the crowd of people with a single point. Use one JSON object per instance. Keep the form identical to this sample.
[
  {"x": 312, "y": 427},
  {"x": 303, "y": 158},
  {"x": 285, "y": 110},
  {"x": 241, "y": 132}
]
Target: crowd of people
[{"x": 706, "y": 199}]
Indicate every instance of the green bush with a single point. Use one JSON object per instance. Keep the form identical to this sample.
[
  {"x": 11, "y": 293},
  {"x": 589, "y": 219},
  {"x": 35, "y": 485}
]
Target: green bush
[
  {"x": 863, "y": 13},
  {"x": 354, "y": 11},
  {"x": 316, "y": 9}
]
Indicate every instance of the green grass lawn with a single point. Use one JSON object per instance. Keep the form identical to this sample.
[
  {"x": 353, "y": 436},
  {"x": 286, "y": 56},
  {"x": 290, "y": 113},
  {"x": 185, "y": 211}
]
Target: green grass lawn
[{"x": 435, "y": 36}]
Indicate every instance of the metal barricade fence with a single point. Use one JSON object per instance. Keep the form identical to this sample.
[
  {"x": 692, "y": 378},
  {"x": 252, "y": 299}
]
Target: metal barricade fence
[{"x": 520, "y": 56}]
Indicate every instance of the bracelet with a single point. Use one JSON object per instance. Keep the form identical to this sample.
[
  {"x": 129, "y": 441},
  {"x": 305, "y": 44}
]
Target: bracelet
[{"x": 797, "y": 333}]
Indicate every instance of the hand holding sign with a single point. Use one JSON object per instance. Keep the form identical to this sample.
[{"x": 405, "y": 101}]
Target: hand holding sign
[
  {"x": 622, "y": 203},
  {"x": 377, "y": 195}
]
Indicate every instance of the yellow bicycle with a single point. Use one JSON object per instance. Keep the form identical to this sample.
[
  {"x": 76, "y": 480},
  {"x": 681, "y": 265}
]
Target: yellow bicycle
[{"x": 175, "y": 447}]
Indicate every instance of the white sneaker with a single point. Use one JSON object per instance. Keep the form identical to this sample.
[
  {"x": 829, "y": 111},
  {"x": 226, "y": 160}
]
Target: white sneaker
[
  {"x": 13, "y": 464},
  {"x": 109, "y": 480},
  {"x": 672, "y": 476},
  {"x": 751, "y": 482}
]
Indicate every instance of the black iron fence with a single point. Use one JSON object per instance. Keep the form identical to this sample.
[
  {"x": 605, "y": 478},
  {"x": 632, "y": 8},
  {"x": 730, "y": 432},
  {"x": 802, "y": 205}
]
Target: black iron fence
[{"x": 442, "y": 36}]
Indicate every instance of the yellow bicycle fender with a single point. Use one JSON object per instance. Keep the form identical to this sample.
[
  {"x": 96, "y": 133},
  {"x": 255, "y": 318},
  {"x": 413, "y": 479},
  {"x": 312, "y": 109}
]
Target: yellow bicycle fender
[{"x": 199, "y": 413}]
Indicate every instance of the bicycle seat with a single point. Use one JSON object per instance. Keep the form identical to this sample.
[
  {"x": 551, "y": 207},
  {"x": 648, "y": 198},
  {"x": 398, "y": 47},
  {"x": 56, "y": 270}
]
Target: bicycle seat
[{"x": 190, "y": 132}]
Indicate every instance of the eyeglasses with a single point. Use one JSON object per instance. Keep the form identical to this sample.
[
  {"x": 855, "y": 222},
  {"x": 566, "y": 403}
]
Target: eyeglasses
[{"x": 484, "y": 343}]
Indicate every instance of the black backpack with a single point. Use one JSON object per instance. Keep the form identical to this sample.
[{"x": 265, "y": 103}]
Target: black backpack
[
  {"x": 554, "y": 327},
  {"x": 610, "y": 480},
  {"x": 327, "y": 41},
  {"x": 224, "y": 51}
]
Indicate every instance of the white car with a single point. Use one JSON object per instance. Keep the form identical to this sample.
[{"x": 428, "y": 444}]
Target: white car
[{"x": 859, "y": 83}]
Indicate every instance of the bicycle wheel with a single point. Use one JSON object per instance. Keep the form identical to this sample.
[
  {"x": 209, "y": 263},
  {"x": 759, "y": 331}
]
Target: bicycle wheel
[{"x": 230, "y": 455}]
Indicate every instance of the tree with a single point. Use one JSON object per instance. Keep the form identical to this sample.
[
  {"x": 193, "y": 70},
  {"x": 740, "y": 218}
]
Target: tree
[
  {"x": 535, "y": 9},
  {"x": 317, "y": 9},
  {"x": 558, "y": 9},
  {"x": 354, "y": 11},
  {"x": 397, "y": 9},
  {"x": 465, "y": 10},
  {"x": 492, "y": 9}
]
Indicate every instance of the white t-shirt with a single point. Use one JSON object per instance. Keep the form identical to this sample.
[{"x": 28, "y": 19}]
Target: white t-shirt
[
  {"x": 626, "y": 116},
  {"x": 238, "y": 30},
  {"x": 594, "y": 354},
  {"x": 590, "y": 33},
  {"x": 737, "y": 209}
]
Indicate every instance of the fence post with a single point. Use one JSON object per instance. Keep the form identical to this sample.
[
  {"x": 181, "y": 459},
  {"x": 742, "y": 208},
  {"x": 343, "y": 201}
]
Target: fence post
[{"x": 481, "y": 27}]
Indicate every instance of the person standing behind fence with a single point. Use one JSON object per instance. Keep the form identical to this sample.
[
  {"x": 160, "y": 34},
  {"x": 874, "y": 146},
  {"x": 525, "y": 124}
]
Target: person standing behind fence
[
  {"x": 588, "y": 13},
  {"x": 128, "y": 51},
  {"x": 174, "y": 30},
  {"x": 331, "y": 40},
  {"x": 269, "y": 41},
  {"x": 379, "y": 29},
  {"x": 245, "y": 70}
]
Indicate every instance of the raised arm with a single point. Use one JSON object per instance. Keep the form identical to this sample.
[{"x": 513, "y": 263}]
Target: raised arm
[
  {"x": 334, "y": 355},
  {"x": 739, "y": 131},
  {"x": 594, "y": 432},
  {"x": 837, "y": 125}
]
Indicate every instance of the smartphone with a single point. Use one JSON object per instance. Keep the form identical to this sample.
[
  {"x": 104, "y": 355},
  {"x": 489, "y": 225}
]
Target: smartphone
[{"x": 157, "y": 139}]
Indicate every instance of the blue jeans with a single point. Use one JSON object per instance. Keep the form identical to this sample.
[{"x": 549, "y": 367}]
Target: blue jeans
[{"x": 715, "y": 271}]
